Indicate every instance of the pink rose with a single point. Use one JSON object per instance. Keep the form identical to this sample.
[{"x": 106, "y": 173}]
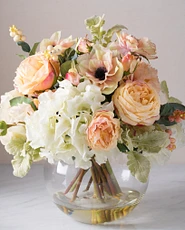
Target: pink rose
[
  {"x": 103, "y": 131},
  {"x": 35, "y": 73},
  {"x": 137, "y": 103}
]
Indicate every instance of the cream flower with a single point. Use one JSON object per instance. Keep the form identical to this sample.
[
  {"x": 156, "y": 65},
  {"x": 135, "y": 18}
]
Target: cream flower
[
  {"x": 144, "y": 72},
  {"x": 57, "y": 43},
  {"x": 137, "y": 103},
  {"x": 35, "y": 73},
  {"x": 101, "y": 68},
  {"x": 103, "y": 131}
]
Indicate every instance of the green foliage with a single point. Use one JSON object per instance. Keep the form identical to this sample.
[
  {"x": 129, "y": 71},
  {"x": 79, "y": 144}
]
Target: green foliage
[
  {"x": 65, "y": 67},
  {"x": 21, "y": 56},
  {"x": 25, "y": 47},
  {"x": 16, "y": 144},
  {"x": 167, "y": 110},
  {"x": 95, "y": 25},
  {"x": 23, "y": 153},
  {"x": 165, "y": 91},
  {"x": 164, "y": 88},
  {"x": 21, "y": 165},
  {"x": 22, "y": 99},
  {"x": 122, "y": 147},
  {"x": 139, "y": 166},
  {"x": 174, "y": 100},
  {"x": 3, "y": 128},
  {"x": 34, "y": 48},
  {"x": 151, "y": 142},
  {"x": 68, "y": 55},
  {"x": 111, "y": 31}
]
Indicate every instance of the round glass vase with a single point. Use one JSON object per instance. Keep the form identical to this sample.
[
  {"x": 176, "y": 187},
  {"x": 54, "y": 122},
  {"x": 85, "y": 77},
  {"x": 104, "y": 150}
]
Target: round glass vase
[{"x": 101, "y": 194}]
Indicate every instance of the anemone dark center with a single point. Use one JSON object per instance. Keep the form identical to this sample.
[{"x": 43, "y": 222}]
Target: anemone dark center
[{"x": 100, "y": 73}]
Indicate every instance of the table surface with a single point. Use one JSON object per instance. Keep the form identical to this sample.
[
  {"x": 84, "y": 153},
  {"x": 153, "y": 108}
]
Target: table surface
[{"x": 26, "y": 205}]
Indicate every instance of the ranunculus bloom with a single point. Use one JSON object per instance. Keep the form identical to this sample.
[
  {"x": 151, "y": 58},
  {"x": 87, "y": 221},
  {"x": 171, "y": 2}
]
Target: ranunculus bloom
[
  {"x": 142, "y": 46},
  {"x": 144, "y": 72},
  {"x": 101, "y": 68},
  {"x": 137, "y": 103},
  {"x": 35, "y": 73},
  {"x": 103, "y": 131},
  {"x": 73, "y": 76}
]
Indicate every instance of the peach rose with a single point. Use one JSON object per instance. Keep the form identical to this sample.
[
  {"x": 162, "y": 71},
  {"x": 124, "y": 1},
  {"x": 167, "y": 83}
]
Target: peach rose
[
  {"x": 35, "y": 73},
  {"x": 103, "y": 131},
  {"x": 137, "y": 103}
]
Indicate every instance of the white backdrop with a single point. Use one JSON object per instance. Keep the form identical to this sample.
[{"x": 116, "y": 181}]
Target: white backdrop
[{"x": 163, "y": 21}]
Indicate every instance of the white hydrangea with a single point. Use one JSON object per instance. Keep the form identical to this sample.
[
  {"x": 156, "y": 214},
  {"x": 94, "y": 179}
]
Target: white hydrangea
[
  {"x": 60, "y": 123},
  {"x": 13, "y": 114}
]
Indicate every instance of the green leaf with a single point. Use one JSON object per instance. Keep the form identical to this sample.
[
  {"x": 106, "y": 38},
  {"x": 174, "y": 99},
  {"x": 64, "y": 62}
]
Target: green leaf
[
  {"x": 95, "y": 25},
  {"x": 160, "y": 158},
  {"x": 139, "y": 166},
  {"x": 21, "y": 99},
  {"x": 111, "y": 31},
  {"x": 21, "y": 56},
  {"x": 174, "y": 100},
  {"x": 3, "y": 128},
  {"x": 25, "y": 47},
  {"x": 151, "y": 142},
  {"x": 69, "y": 54},
  {"x": 65, "y": 67},
  {"x": 164, "y": 89},
  {"x": 16, "y": 144},
  {"x": 34, "y": 153},
  {"x": 34, "y": 48},
  {"x": 21, "y": 165},
  {"x": 122, "y": 147}
]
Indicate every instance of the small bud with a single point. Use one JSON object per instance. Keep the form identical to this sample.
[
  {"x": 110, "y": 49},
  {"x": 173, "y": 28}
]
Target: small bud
[
  {"x": 12, "y": 34},
  {"x": 16, "y": 38},
  {"x": 23, "y": 38}
]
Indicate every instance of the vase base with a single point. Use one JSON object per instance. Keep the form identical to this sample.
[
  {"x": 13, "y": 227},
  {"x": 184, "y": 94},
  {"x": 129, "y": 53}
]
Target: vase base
[{"x": 90, "y": 210}]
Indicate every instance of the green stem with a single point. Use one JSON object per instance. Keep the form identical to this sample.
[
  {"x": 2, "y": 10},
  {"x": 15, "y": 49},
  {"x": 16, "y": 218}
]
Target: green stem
[
  {"x": 109, "y": 180},
  {"x": 113, "y": 178},
  {"x": 103, "y": 177}
]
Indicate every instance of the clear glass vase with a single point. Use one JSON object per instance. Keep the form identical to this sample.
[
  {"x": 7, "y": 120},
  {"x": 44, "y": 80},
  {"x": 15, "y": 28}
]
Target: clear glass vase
[{"x": 94, "y": 197}]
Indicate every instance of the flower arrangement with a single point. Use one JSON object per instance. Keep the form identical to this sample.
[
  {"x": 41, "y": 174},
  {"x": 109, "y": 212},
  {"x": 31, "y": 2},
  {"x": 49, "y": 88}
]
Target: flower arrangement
[{"x": 86, "y": 100}]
